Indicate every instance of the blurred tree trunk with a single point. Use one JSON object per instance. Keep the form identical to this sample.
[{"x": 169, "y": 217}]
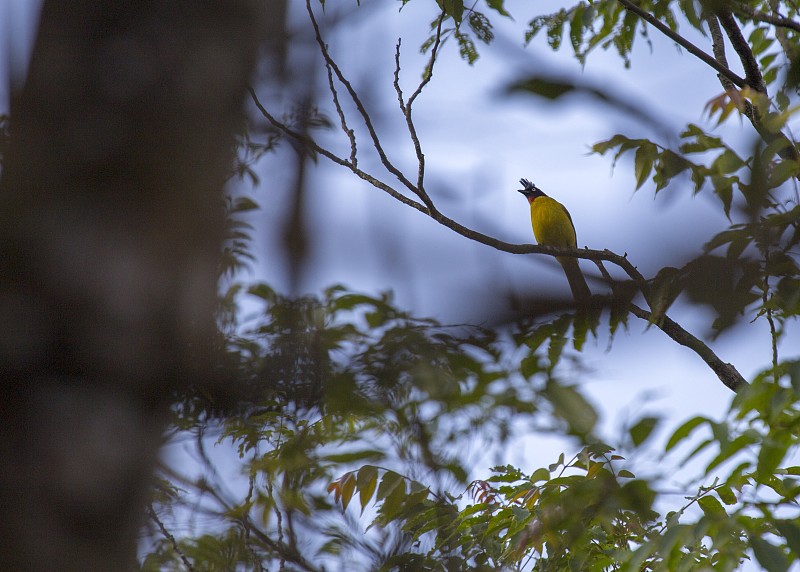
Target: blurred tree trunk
[{"x": 110, "y": 225}]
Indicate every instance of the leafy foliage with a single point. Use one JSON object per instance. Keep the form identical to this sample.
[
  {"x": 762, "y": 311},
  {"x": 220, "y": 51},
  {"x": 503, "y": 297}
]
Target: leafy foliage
[{"x": 357, "y": 424}]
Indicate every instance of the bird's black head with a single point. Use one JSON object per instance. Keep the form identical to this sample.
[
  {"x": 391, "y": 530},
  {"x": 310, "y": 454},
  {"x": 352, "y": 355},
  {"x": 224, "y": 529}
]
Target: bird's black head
[{"x": 530, "y": 190}]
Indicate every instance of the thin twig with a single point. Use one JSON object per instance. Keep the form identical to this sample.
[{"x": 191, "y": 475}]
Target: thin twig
[
  {"x": 429, "y": 68},
  {"x": 359, "y": 105},
  {"x": 351, "y": 135},
  {"x": 726, "y": 372},
  {"x": 251, "y": 487},
  {"x": 774, "y": 19},
  {"x": 686, "y": 44},
  {"x": 334, "y": 158},
  {"x": 178, "y": 550},
  {"x": 406, "y": 111},
  {"x": 770, "y": 320},
  {"x": 780, "y": 32},
  {"x": 406, "y": 108},
  {"x": 284, "y": 551}
]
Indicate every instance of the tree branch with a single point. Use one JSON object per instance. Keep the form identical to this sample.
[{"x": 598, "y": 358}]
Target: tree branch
[
  {"x": 333, "y": 157},
  {"x": 788, "y": 151},
  {"x": 686, "y": 44},
  {"x": 405, "y": 107},
  {"x": 775, "y": 20},
  {"x": 360, "y": 106},
  {"x": 351, "y": 136},
  {"x": 726, "y": 372},
  {"x": 752, "y": 72},
  {"x": 718, "y": 48},
  {"x": 783, "y": 38},
  {"x": 175, "y": 546}
]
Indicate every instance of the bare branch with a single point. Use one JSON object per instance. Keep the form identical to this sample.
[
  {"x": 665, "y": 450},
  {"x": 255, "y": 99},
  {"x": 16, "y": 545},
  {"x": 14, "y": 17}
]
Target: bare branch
[
  {"x": 359, "y": 105},
  {"x": 406, "y": 110},
  {"x": 774, "y": 19},
  {"x": 752, "y": 72},
  {"x": 726, "y": 372},
  {"x": 333, "y": 157},
  {"x": 429, "y": 68},
  {"x": 342, "y": 120},
  {"x": 168, "y": 535},
  {"x": 788, "y": 151},
  {"x": 718, "y": 47},
  {"x": 686, "y": 44},
  {"x": 783, "y": 38},
  {"x": 584, "y": 253},
  {"x": 406, "y": 107}
]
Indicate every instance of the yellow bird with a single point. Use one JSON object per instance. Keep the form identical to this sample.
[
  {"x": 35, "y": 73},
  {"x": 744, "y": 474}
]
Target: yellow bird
[{"x": 552, "y": 226}]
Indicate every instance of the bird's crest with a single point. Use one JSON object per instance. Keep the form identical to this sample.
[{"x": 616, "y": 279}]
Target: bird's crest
[{"x": 530, "y": 190}]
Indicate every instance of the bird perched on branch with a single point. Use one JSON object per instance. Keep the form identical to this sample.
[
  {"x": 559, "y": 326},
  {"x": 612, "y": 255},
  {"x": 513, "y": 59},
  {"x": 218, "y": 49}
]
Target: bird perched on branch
[{"x": 552, "y": 226}]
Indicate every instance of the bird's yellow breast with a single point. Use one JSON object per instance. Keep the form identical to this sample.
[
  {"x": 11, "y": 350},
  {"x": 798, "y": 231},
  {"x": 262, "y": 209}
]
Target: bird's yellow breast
[{"x": 551, "y": 223}]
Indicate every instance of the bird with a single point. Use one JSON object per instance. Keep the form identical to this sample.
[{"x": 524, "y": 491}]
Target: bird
[{"x": 553, "y": 226}]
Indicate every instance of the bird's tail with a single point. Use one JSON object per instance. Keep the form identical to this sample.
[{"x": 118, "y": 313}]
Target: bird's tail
[{"x": 577, "y": 283}]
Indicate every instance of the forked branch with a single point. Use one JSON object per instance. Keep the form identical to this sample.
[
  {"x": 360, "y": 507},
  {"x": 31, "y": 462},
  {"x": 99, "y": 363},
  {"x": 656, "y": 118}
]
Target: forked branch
[
  {"x": 726, "y": 372},
  {"x": 683, "y": 42}
]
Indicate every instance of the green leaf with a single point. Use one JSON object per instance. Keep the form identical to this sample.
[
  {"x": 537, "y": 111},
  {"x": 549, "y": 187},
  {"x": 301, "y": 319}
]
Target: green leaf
[
  {"x": 576, "y": 27},
  {"x": 770, "y": 456},
  {"x": 643, "y": 429},
  {"x": 712, "y": 508},
  {"x": 453, "y": 8},
  {"x": 540, "y": 474},
  {"x": 768, "y": 555},
  {"x": 480, "y": 26},
  {"x": 534, "y": 26},
  {"x": 728, "y": 450},
  {"x": 389, "y": 483},
  {"x": 497, "y": 6},
  {"x": 701, "y": 143},
  {"x": 558, "y": 339},
  {"x": 555, "y": 29},
  {"x": 791, "y": 532},
  {"x": 244, "y": 204},
  {"x": 394, "y": 501},
  {"x": 727, "y": 162},
  {"x": 727, "y": 495},
  {"x": 572, "y": 407},
  {"x": 643, "y": 163},
  {"x": 466, "y": 47},
  {"x": 548, "y": 88},
  {"x": 684, "y": 431},
  {"x": 348, "y": 488},
  {"x": 367, "y": 454},
  {"x": 367, "y": 482}
]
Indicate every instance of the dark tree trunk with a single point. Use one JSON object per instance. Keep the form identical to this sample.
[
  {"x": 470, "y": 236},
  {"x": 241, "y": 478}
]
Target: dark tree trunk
[{"x": 110, "y": 228}]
